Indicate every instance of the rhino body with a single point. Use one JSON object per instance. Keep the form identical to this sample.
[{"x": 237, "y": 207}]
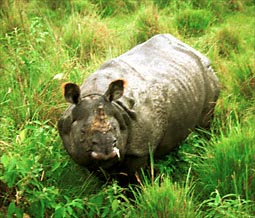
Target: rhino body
[{"x": 149, "y": 98}]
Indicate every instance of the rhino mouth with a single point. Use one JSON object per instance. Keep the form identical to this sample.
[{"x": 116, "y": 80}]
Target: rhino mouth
[{"x": 101, "y": 156}]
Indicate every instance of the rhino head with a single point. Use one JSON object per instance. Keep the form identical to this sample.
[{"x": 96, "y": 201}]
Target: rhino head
[{"x": 92, "y": 129}]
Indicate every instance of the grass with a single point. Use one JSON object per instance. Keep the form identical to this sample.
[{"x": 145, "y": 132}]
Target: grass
[
  {"x": 227, "y": 42},
  {"x": 85, "y": 37},
  {"x": 192, "y": 22},
  {"x": 164, "y": 199},
  {"x": 46, "y": 43},
  {"x": 232, "y": 155}
]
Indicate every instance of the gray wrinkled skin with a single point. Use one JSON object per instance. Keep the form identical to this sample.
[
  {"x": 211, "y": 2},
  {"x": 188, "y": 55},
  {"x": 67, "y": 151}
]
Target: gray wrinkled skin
[{"x": 171, "y": 88}]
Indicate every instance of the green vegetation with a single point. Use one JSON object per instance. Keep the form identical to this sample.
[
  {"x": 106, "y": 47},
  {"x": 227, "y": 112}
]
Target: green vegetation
[
  {"x": 193, "y": 21},
  {"x": 45, "y": 43}
]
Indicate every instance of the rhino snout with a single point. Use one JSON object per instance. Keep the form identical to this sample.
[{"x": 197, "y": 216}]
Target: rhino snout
[
  {"x": 100, "y": 156},
  {"x": 104, "y": 147}
]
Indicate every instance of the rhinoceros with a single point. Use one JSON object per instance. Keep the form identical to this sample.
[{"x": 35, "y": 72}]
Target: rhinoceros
[{"x": 147, "y": 100}]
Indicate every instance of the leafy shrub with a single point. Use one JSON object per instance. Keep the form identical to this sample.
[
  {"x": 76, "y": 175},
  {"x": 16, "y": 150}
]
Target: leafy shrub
[
  {"x": 109, "y": 202},
  {"x": 36, "y": 177},
  {"x": 26, "y": 165},
  {"x": 230, "y": 205},
  {"x": 192, "y": 22}
]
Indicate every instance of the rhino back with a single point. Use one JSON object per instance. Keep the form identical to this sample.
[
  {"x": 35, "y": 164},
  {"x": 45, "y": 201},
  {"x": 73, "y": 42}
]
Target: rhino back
[{"x": 170, "y": 87}]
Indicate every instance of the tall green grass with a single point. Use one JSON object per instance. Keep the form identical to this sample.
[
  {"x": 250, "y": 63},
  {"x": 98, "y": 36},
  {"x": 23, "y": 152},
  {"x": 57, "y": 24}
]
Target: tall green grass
[
  {"x": 86, "y": 37},
  {"x": 225, "y": 169},
  {"x": 164, "y": 199},
  {"x": 46, "y": 43},
  {"x": 192, "y": 22},
  {"x": 228, "y": 164}
]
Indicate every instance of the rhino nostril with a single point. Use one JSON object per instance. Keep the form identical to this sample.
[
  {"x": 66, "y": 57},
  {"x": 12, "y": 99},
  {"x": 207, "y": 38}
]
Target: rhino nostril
[
  {"x": 95, "y": 143},
  {"x": 114, "y": 143}
]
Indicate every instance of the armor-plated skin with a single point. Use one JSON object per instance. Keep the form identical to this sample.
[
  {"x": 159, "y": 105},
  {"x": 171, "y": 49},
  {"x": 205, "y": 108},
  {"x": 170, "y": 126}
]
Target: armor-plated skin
[{"x": 153, "y": 95}]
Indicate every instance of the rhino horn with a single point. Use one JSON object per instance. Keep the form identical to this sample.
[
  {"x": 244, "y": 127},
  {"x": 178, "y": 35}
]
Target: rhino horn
[{"x": 101, "y": 122}]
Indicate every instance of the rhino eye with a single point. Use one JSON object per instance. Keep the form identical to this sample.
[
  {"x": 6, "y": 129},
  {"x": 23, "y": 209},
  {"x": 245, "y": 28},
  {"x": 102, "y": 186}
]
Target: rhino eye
[
  {"x": 74, "y": 123},
  {"x": 83, "y": 130},
  {"x": 94, "y": 143},
  {"x": 114, "y": 127}
]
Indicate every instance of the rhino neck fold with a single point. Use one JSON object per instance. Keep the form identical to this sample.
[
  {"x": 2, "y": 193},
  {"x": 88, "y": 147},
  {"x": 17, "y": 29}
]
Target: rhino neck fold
[
  {"x": 124, "y": 115},
  {"x": 130, "y": 113}
]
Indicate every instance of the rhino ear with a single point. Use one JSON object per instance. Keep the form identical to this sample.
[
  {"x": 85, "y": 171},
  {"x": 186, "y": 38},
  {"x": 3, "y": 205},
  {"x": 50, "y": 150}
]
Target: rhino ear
[
  {"x": 115, "y": 90},
  {"x": 72, "y": 93}
]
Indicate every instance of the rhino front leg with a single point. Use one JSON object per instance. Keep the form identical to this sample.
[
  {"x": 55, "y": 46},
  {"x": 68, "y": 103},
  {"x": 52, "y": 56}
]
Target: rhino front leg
[
  {"x": 131, "y": 169},
  {"x": 134, "y": 163},
  {"x": 208, "y": 113}
]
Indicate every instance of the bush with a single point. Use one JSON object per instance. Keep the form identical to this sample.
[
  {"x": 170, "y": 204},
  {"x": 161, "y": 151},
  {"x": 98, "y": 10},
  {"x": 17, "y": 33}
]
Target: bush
[
  {"x": 230, "y": 205},
  {"x": 36, "y": 177},
  {"x": 27, "y": 163}
]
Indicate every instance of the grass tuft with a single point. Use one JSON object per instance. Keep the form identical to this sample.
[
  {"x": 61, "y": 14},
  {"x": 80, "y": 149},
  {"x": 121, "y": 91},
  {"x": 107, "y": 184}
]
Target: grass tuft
[
  {"x": 164, "y": 199},
  {"x": 244, "y": 73},
  {"x": 148, "y": 23},
  {"x": 236, "y": 5},
  {"x": 232, "y": 158},
  {"x": 13, "y": 17},
  {"x": 109, "y": 8},
  {"x": 228, "y": 41},
  {"x": 86, "y": 37},
  {"x": 192, "y": 22},
  {"x": 229, "y": 205}
]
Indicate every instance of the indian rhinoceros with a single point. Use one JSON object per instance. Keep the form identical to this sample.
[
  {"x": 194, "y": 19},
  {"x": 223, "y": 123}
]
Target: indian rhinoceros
[{"x": 146, "y": 100}]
